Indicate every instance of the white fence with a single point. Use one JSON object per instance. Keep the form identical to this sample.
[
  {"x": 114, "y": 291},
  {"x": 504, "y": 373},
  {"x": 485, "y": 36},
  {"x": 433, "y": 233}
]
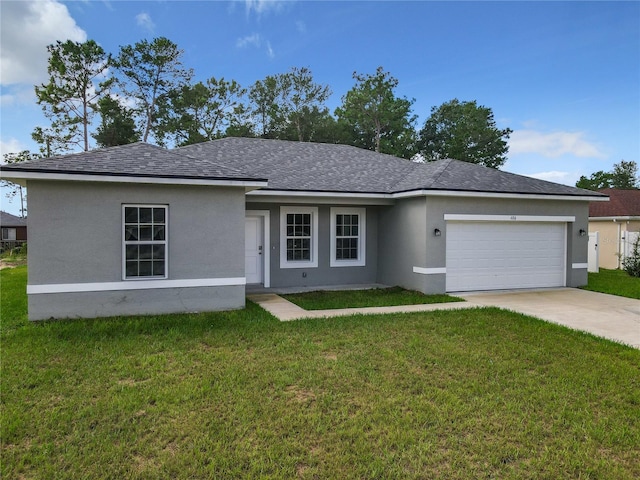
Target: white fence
[
  {"x": 594, "y": 253},
  {"x": 628, "y": 240}
]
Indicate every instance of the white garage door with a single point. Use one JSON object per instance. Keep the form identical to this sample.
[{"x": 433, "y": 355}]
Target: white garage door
[{"x": 500, "y": 255}]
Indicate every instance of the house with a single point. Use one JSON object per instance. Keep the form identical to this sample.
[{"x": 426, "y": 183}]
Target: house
[
  {"x": 14, "y": 231},
  {"x": 614, "y": 222},
  {"x": 140, "y": 229}
]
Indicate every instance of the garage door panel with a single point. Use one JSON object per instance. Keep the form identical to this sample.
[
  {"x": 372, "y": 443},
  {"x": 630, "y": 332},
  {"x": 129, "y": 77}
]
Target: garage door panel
[{"x": 498, "y": 255}]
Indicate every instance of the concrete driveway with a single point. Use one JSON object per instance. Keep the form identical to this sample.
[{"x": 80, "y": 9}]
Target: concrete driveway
[{"x": 608, "y": 316}]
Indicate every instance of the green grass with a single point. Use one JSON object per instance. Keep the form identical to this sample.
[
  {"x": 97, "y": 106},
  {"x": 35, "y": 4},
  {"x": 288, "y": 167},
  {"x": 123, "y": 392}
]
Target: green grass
[
  {"x": 463, "y": 394},
  {"x": 614, "y": 282},
  {"x": 375, "y": 297}
]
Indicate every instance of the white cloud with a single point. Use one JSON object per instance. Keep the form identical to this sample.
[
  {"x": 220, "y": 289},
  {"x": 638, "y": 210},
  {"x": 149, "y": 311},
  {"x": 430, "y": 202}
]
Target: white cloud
[
  {"x": 249, "y": 41},
  {"x": 144, "y": 20},
  {"x": 27, "y": 28},
  {"x": 301, "y": 26},
  {"x": 554, "y": 144},
  {"x": 265, "y": 6},
  {"x": 17, "y": 95},
  {"x": 255, "y": 40},
  {"x": 566, "y": 178},
  {"x": 11, "y": 146}
]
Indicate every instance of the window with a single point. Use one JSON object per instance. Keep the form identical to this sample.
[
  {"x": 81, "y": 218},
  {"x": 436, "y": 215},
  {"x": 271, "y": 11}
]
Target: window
[
  {"x": 298, "y": 237},
  {"x": 145, "y": 241},
  {"x": 9, "y": 234},
  {"x": 348, "y": 227}
]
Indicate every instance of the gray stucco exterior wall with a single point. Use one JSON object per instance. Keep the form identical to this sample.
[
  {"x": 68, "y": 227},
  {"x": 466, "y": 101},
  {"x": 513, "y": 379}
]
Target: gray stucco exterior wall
[
  {"x": 324, "y": 274},
  {"x": 407, "y": 239},
  {"x": 438, "y": 207},
  {"x": 403, "y": 243},
  {"x": 76, "y": 238}
]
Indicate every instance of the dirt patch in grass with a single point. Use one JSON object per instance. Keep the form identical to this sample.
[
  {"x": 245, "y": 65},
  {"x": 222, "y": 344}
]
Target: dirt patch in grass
[
  {"x": 4, "y": 263},
  {"x": 300, "y": 395}
]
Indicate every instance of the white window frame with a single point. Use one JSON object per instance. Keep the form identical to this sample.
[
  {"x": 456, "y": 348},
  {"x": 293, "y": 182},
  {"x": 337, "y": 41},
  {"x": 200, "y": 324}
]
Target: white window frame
[
  {"x": 164, "y": 242},
  {"x": 9, "y": 234},
  {"x": 362, "y": 229},
  {"x": 313, "y": 262}
]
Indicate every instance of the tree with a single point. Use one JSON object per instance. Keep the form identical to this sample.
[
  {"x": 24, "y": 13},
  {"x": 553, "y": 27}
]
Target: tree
[
  {"x": 75, "y": 86},
  {"x": 149, "y": 71},
  {"x": 623, "y": 176},
  {"x": 54, "y": 140},
  {"x": 15, "y": 189},
  {"x": 264, "y": 106},
  {"x": 204, "y": 111},
  {"x": 464, "y": 131},
  {"x": 320, "y": 126},
  {"x": 117, "y": 126},
  {"x": 597, "y": 181},
  {"x": 375, "y": 119},
  {"x": 302, "y": 101},
  {"x": 285, "y": 106}
]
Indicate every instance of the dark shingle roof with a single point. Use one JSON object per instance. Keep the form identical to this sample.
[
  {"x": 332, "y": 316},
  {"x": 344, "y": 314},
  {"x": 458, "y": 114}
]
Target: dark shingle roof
[
  {"x": 622, "y": 203},
  {"x": 463, "y": 176},
  {"x": 298, "y": 166},
  {"x": 294, "y": 166},
  {"x": 8, "y": 220},
  {"x": 307, "y": 166},
  {"x": 137, "y": 160}
]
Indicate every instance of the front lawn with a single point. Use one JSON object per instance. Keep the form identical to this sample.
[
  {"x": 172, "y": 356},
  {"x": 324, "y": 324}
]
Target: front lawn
[
  {"x": 462, "y": 394},
  {"x": 614, "y": 282},
  {"x": 374, "y": 297}
]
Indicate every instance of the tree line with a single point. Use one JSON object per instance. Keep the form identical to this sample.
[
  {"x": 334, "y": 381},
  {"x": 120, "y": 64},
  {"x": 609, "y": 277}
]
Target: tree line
[
  {"x": 146, "y": 93},
  {"x": 623, "y": 176}
]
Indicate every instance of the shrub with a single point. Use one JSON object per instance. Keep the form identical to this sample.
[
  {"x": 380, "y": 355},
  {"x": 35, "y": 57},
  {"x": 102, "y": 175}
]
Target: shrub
[{"x": 631, "y": 264}]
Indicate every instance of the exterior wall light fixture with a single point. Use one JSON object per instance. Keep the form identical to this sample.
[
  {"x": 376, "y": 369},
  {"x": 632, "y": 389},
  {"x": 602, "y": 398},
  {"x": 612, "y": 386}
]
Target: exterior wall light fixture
[
  {"x": 582, "y": 232},
  {"x": 437, "y": 232}
]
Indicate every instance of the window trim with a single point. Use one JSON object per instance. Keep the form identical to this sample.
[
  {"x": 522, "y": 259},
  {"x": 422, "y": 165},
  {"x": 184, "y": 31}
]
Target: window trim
[
  {"x": 164, "y": 242},
  {"x": 284, "y": 263},
  {"x": 6, "y": 234},
  {"x": 361, "y": 261}
]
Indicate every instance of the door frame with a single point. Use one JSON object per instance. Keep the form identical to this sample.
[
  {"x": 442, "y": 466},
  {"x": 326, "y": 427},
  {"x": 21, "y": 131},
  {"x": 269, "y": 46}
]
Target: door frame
[{"x": 265, "y": 215}]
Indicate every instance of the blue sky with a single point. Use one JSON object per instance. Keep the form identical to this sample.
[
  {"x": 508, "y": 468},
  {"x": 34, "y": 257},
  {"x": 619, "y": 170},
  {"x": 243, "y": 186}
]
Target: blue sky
[{"x": 565, "y": 76}]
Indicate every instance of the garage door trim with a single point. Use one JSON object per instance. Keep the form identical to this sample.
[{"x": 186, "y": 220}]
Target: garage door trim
[
  {"x": 454, "y": 217},
  {"x": 470, "y": 276}
]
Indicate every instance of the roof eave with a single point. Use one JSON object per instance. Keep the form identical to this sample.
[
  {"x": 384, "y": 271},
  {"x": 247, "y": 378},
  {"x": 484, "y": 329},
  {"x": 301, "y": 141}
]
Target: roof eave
[
  {"x": 616, "y": 218},
  {"x": 520, "y": 195},
  {"x": 427, "y": 192},
  {"x": 21, "y": 175}
]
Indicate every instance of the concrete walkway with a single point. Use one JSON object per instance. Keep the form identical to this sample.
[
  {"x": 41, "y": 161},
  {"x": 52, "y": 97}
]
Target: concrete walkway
[
  {"x": 284, "y": 310},
  {"x": 608, "y": 316}
]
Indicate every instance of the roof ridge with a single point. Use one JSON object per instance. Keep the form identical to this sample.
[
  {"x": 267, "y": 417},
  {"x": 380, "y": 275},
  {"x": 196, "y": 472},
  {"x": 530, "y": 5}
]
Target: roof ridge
[
  {"x": 415, "y": 165},
  {"x": 445, "y": 164},
  {"x": 199, "y": 158}
]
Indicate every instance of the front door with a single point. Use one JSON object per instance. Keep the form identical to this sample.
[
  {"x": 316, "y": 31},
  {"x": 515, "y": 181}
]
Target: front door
[{"x": 254, "y": 264}]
